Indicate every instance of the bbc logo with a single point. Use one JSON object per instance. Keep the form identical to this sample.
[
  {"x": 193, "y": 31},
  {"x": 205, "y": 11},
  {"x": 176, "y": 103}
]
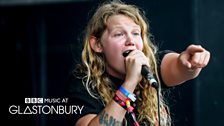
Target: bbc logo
[{"x": 34, "y": 100}]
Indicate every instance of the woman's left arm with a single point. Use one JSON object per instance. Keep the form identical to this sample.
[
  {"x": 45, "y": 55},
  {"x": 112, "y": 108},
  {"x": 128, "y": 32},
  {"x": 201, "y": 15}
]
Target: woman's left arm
[{"x": 177, "y": 68}]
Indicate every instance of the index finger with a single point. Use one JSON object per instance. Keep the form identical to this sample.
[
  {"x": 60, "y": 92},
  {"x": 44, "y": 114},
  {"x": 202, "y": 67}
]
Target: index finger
[{"x": 192, "y": 49}]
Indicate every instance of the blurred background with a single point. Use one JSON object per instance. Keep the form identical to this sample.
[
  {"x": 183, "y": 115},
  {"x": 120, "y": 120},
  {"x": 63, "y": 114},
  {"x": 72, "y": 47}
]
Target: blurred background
[{"x": 41, "y": 40}]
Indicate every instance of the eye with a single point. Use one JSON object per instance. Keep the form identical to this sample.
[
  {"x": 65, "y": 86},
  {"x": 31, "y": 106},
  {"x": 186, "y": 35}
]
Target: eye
[
  {"x": 136, "y": 33},
  {"x": 118, "y": 34}
]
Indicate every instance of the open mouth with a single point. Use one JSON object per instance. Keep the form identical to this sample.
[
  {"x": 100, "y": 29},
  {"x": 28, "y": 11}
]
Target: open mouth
[{"x": 126, "y": 53}]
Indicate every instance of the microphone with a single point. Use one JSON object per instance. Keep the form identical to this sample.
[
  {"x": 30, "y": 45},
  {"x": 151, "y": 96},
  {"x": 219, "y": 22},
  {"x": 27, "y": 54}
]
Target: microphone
[{"x": 145, "y": 72}]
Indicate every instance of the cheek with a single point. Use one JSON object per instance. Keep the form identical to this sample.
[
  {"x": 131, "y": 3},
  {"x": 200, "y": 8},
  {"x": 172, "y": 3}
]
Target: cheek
[
  {"x": 114, "y": 60},
  {"x": 113, "y": 55},
  {"x": 139, "y": 45},
  {"x": 112, "y": 48}
]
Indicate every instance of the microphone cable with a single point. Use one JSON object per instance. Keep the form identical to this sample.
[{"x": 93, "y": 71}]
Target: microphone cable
[
  {"x": 154, "y": 84},
  {"x": 158, "y": 105},
  {"x": 145, "y": 72}
]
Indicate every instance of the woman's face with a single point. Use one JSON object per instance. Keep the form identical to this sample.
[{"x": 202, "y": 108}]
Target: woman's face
[{"x": 121, "y": 34}]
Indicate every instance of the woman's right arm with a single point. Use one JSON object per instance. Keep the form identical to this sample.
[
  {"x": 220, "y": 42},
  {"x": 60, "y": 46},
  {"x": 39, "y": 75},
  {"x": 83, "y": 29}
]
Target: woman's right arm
[{"x": 112, "y": 115}]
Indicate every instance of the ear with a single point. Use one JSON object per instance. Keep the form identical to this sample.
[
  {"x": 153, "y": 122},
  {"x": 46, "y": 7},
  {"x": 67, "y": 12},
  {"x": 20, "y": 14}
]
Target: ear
[{"x": 96, "y": 46}]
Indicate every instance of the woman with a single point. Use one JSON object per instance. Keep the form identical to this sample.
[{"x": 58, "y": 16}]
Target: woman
[{"x": 110, "y": 85}]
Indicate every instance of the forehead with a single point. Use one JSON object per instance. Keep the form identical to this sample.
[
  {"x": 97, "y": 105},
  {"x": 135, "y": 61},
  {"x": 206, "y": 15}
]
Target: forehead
[{"x": 121, "y": 20}]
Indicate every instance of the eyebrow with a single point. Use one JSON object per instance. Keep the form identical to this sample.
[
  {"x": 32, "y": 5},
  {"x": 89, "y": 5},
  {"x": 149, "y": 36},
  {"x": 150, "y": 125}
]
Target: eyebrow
[{"x": 134, "y": 27}]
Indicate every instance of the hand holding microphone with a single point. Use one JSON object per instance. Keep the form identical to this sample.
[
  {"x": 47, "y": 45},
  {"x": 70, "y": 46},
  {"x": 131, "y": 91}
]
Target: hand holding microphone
[{"x": 145, "y": 72}]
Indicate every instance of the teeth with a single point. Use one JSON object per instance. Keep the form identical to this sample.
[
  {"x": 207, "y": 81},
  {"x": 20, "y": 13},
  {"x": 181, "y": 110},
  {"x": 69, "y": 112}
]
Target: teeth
[{"x": 126, "y": 53}]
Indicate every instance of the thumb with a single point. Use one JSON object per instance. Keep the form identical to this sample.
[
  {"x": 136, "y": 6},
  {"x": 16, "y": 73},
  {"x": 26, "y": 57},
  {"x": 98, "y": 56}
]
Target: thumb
[{"x": 184, "y": 59}]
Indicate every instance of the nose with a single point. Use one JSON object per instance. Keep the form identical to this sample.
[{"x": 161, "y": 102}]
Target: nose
[{"x": 129, "y": 41}]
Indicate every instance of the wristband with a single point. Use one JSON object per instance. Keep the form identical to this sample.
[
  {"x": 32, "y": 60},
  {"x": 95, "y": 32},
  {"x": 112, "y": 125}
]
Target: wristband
[
  {"x": 119, "y": 101},
  {"x": 121, "y": 95},
  {"x": 127, "y": 94}
]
